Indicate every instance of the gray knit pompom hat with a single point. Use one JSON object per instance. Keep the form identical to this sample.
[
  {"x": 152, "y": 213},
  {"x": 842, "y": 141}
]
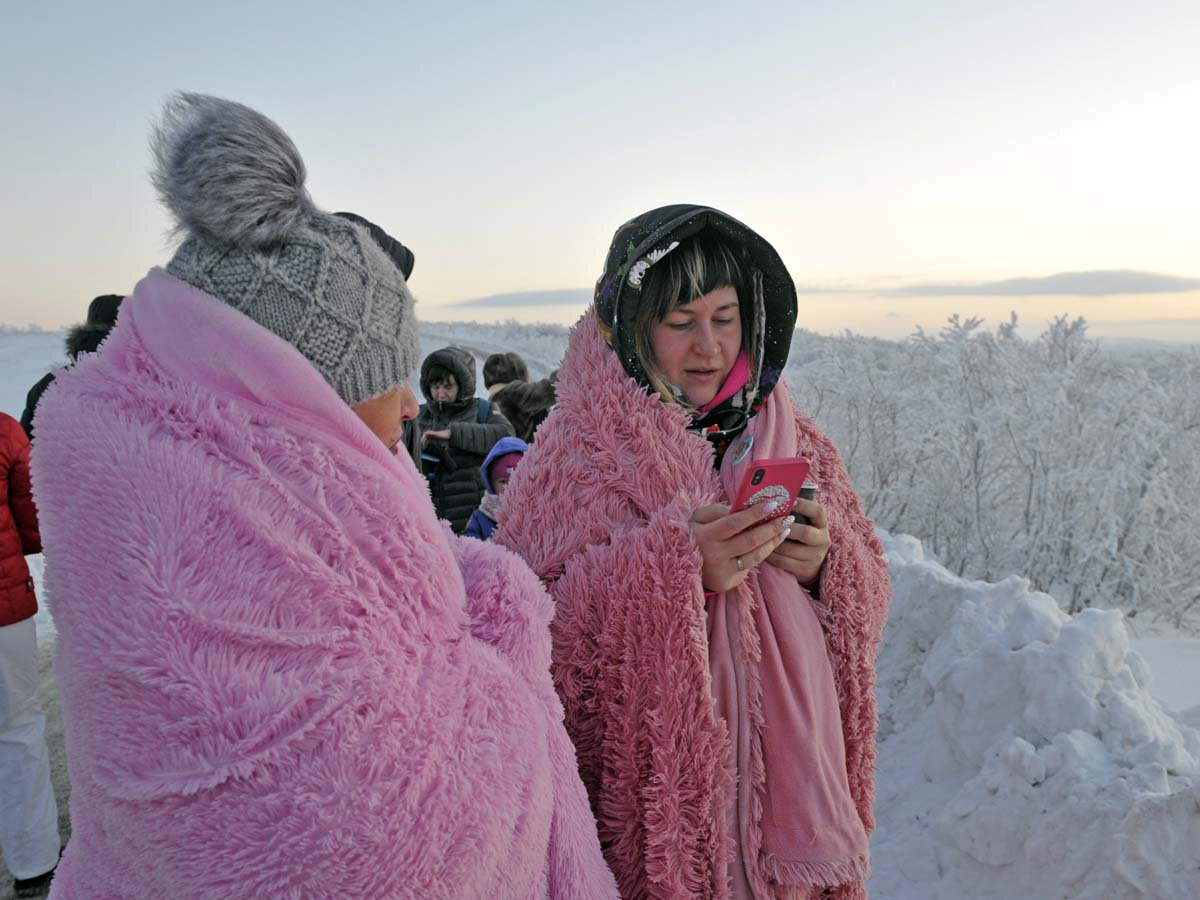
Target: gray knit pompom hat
[{"x": 234, "y": 182}]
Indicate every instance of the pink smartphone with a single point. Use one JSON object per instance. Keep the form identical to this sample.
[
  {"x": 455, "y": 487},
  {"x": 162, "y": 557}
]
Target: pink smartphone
[{"x": 772, "y": 479}]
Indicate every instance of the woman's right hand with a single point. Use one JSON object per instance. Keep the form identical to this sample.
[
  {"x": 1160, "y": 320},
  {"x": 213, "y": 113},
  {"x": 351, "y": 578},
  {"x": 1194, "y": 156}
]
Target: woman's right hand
[
  {"x": 427, "y": 436},
  {"x": 732, "y": 544}
]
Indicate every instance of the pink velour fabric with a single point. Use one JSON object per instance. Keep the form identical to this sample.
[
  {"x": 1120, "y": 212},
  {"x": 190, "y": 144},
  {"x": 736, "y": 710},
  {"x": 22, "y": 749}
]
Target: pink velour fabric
[
  {"x": 734, "y": 382},
  {"x": 281, "y": 676}
]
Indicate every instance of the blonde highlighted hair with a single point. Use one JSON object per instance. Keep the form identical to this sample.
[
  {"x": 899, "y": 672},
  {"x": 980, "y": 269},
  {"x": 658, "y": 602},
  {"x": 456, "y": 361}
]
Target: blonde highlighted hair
[{"x": 699, "y": 265}]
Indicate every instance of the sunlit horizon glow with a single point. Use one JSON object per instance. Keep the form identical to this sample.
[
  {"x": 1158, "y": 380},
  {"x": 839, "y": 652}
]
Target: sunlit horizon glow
[
  {"x": 1156, "y": 317},
  {"x": 877, "y": 145}
]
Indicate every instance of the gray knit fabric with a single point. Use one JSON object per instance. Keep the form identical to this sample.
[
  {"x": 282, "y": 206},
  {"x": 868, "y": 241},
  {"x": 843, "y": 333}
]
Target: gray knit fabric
[
  {"x": 330, "y": 292},
  {"x": 252, "y": 237}
]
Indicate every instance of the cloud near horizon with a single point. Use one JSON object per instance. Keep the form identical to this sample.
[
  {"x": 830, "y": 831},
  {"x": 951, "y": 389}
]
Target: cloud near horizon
[
  {"x": 1192, "y": 321},
  {"x": 1096, "y": 283},
  {"x": 1099, "y": 283},
  {"x": 563, "y": 297}
]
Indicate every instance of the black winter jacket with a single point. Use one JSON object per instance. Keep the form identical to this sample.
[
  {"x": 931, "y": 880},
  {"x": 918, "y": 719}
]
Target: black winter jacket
[
  {"x": 85, "y": 338},
  {"x": 454, "y": 480}
]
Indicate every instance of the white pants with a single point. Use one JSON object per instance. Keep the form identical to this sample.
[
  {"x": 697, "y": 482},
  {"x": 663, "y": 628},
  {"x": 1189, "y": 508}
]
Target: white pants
[{"x": 28, "y": 813}]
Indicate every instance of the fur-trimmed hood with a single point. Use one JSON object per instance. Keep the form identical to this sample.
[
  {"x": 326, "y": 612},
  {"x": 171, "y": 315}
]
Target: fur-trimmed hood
[
  {"x": 458, "y": 362},
  {"x": 85, "y": 337}
]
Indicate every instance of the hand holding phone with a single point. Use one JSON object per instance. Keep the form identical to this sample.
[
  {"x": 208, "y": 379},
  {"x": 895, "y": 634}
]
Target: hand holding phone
[
  {"x": 772, "y": 479},
  {"x": 803, "y": 552},
  {"x": 808, "y": 491}
]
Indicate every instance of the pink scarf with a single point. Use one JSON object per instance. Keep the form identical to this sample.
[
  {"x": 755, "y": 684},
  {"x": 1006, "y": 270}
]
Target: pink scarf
[
  {"x": 811, "y": 833},
  {"x": 734, "y": 382}
]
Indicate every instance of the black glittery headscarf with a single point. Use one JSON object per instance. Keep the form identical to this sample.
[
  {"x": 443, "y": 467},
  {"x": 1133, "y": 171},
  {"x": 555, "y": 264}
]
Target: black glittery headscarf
[{"x": 768, "y": 319}]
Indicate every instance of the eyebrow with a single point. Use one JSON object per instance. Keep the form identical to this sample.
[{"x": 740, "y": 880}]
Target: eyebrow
[{"x": 686, "y": 308}]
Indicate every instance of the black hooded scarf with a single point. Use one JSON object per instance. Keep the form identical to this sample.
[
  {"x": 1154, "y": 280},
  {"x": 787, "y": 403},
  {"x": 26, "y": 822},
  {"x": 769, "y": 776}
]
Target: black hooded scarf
[{"x": 768, "y": 318}]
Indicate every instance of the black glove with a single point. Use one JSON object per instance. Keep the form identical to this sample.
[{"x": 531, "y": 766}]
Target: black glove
[{"x": 436, "y": 457}]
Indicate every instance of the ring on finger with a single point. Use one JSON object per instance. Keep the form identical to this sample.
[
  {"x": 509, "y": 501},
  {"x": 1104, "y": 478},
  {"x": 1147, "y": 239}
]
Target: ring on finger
[{"x": 738, "y": 560}]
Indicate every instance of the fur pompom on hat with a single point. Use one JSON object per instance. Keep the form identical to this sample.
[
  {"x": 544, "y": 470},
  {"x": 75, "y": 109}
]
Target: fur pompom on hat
[{"x": 235, "y": 184}]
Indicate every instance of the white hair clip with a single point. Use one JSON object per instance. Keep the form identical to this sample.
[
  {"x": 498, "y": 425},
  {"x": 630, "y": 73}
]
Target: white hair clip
[{"x": 638, "y": 270}]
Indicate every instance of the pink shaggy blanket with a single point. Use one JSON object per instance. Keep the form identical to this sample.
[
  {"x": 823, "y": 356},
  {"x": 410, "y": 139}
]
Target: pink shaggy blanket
[
  {"x": 599, "y": 508},
  {"x": 281, "y": 675}
]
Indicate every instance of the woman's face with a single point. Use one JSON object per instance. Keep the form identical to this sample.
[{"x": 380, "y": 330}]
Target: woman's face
[
  {"x": 386, "y": 414},
  {"x": 697, "y": 344}
]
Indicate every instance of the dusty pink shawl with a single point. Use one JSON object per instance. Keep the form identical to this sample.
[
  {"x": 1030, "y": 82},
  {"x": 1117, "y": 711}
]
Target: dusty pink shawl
[{"x": 810, "y": 830}]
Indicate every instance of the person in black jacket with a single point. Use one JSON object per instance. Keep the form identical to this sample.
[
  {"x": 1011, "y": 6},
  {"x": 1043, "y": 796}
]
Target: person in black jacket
[
  {"x": 453, "y": 434},
  {"x": 524, "y": 403},
  {"x": 83, "y": 338}
]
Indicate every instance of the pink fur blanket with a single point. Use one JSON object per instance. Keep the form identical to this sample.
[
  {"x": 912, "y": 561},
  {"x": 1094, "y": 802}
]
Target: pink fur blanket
[
  {"x": 281, "y": 676},
  {"x": 599, "y": 508}
]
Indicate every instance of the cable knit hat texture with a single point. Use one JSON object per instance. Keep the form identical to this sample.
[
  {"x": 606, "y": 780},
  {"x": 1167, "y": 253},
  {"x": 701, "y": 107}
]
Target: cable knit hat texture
[{"x": 252, "y": 237}]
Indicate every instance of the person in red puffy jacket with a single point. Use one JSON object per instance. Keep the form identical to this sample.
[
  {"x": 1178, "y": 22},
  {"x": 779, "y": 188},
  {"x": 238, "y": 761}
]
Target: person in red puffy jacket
[{"x": 28, "y": 813}]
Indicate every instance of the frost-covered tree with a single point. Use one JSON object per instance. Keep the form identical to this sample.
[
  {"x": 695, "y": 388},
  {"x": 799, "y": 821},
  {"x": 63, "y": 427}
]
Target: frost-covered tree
[{"x": 1047, "y": 457}]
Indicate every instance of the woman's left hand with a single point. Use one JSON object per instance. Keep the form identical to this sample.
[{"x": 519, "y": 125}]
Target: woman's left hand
[{"x": 804, "y": 552}]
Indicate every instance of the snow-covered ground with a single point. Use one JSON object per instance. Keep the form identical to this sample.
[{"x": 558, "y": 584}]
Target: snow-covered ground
[
  {"x": 24, "y": 358},
  {"x": 1023, "y": 753}
]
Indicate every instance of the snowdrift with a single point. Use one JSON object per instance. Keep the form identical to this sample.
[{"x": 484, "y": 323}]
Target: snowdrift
[{"x": 1021, "y": 754}]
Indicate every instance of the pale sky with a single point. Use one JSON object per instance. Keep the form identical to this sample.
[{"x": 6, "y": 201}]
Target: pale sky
[{"x": 888, "y": 149}]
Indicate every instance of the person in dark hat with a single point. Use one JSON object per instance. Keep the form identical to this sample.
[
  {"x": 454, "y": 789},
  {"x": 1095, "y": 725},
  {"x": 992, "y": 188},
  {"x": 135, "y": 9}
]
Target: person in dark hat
[
  {"x": 524, "y": 403},
  {"x": 85, "y": 337}
]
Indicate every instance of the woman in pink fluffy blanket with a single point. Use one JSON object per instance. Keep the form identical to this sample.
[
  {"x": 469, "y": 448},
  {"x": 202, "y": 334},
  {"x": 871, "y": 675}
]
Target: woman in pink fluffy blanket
[
  {"x": 717, "y": 670},
  {"x": 281, "y": 675}
]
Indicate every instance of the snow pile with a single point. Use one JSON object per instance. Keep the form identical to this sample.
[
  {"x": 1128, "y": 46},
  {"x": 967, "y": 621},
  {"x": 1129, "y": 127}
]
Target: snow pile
[{"x": 1021, "y": 754}]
